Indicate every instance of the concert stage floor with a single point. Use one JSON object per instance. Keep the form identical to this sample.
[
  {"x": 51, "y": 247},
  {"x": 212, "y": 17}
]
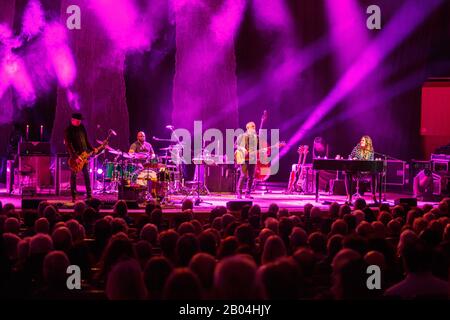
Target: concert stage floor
[{"x": 292, "y": 202}]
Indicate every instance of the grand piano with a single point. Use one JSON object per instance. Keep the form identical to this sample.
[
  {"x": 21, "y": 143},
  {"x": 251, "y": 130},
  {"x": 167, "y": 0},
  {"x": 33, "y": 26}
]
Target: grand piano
[{"x": 351, "y": 166}]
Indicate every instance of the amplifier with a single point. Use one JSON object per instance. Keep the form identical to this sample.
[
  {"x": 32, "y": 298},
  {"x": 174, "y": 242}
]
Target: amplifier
[
  {"x": 396, "y": 172},
  {"x": 220, "y": 178},
  {"x": 237, "y": 205},
  {"x": 415, "y": 166},
  {"x": 440, "y": 166},
  {"x": 63, "y": 176},
  {"x": 34, "y": 173},
  {"x": 34, "y": 148},
  {"x": 440, "y": 157},
  {"x": 132, "y": 193}
]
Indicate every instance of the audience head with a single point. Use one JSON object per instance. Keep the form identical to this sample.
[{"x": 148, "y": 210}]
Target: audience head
[
  {"x": 360, "y": 204},
  {"x": 203, "y": 265},
  {"x": 274, "y": 248},
  {"x": 156, "y": 272},
  {"x": 187, "y": 205},
  {"x": 125, "y": 281},
  {"x": 12, "y": 225},
  {"x": 182, "y": 284},
  {"x": 149, "y": 233},
  {"x": 234, "y": 278},
  {"x": 62, "y": 239},
  {"x": 55, "y": 270},
  {"x": 187, "y": 246}
]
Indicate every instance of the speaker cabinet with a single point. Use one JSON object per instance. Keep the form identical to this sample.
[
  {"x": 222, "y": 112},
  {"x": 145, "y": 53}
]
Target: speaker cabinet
[
  {"x": 31, "y": 203},
  {"x": 34, "y": 172},
  {"x": 130, "y": 193},
  {"x": 396, "y": 173},
  {"x": 237, "y": 205},
  {"x": 220, "y": 178},
  {"x": 63, "y": 176},
  {"x": 411, "y": 202}
]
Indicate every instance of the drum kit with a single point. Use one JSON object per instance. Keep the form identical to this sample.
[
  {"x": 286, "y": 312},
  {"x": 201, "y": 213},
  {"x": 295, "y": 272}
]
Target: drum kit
[{"x": 158, "y": 175}]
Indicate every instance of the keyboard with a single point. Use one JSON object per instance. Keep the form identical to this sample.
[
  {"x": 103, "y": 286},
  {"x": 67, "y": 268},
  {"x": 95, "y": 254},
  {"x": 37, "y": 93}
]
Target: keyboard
[{"x": 374, "y": 166}]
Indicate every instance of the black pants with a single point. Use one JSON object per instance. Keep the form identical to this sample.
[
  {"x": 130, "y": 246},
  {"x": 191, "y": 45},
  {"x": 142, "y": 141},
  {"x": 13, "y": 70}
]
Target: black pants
[
  {"x": 247, "y": 172},
  {"x": 87, "y": 181},
  {"x": 349, "y": 181}
]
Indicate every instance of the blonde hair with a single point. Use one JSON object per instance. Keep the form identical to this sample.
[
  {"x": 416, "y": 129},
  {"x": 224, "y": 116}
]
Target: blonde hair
[{"x": 369, "y": 146}]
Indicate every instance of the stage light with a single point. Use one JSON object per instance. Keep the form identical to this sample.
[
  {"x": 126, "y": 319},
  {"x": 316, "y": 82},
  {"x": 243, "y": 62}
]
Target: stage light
[
  {"x": 11, "y": 67},
  {"x": 100, "y": 171}
]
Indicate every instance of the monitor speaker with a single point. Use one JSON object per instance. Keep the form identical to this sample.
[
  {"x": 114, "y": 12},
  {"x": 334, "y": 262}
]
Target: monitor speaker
[
  {"x": 31, "y": 203},
  {"x": 237, "y": 205},
  {"x": 410, "y": 202}
]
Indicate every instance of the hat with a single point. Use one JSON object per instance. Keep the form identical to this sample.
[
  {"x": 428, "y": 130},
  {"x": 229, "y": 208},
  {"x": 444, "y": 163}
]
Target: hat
[{"x": 77, "y": 116}]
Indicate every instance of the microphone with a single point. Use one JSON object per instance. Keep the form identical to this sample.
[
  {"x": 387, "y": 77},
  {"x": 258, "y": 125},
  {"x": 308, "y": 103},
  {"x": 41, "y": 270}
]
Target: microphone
[{"x": 112, "y": 132}]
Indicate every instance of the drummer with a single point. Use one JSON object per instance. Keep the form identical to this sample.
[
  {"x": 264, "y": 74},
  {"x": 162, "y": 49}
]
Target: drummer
[{"x": 140, "y": 146}]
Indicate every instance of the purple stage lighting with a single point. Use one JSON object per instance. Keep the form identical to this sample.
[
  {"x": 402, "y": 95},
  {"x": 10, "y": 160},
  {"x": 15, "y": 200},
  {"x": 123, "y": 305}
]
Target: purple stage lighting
[{"x": 409, "y": 17}]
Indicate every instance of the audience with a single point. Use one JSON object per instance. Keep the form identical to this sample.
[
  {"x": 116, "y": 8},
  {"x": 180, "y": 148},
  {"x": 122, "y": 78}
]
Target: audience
[{"x": 253, "y": 254}]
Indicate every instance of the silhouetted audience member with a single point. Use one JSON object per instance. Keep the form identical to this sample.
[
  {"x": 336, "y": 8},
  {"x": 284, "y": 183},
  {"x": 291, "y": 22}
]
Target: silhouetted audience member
[
  {"x": 125, "y": 281},
  {"x": 182, "y": 284},
  {"x": 156, "y": 272}
]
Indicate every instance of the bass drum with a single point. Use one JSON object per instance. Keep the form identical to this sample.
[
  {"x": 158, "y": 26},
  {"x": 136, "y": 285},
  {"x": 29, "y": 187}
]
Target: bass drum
[{"x": 144, "y": 176}]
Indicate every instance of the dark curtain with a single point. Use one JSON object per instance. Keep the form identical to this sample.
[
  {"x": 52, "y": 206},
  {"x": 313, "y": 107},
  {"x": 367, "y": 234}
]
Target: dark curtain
[{"x": 99, "y": 84}]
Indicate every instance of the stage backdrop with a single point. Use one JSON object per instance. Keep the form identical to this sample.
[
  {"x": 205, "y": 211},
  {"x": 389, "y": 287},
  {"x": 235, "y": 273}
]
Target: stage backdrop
[
  {"x": 205, "y": 83},
  {"x": 99, "y": 85},
  {"x": 6, "y": 107}
]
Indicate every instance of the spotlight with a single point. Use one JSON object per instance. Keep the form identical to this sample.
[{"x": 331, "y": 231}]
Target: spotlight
[
  {"x": 11, "y": 66},
  {"x": 99, "y": 171}
]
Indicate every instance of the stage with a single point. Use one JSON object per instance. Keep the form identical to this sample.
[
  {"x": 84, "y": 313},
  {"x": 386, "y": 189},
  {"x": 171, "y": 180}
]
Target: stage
[{"x": 295, "y": 203}]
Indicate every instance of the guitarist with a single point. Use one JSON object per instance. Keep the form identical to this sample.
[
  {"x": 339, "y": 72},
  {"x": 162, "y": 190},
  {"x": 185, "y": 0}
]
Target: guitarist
[
  {"x": 247, "y": 143},
  {"x": 76, "y": 141}
]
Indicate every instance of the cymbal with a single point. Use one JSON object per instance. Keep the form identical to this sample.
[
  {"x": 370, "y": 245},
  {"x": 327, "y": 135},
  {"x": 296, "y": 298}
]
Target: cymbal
[
  {"x": 165, "y": 149},
  {"x": 120, "y": 153},
  {"x": 139, "y": 156}
]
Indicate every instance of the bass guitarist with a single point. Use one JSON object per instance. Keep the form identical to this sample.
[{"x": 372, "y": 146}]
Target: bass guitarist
[{"x": 77, "y": 142}]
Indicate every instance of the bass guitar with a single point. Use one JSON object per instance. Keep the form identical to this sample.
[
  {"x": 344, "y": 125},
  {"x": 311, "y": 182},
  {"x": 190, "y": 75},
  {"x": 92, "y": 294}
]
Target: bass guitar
[{"x": 77, "y": 162}]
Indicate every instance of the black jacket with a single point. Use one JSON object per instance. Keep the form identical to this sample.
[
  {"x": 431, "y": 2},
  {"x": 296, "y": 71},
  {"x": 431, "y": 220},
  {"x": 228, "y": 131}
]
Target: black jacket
[{"x": 76, "y": 140}]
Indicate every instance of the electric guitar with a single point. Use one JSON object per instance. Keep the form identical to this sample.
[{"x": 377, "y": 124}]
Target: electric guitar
[
  {"x": 297, "y": 177},
  {"x": 83, "y": 158}
]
